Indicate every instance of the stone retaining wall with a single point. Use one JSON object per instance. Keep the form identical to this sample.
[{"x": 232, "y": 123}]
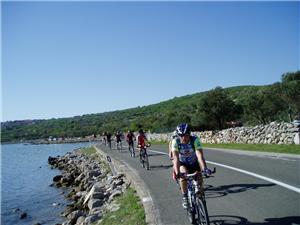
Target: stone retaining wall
[{"x": 273, "y": 133}]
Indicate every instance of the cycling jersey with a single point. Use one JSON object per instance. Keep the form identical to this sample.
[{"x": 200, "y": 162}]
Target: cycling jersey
[
  {"x": 187, "y": 154},
  {"x": 141, "y": 140},
  {"x": 118, "y": 137},
  {"x": 130, "y": 137}
]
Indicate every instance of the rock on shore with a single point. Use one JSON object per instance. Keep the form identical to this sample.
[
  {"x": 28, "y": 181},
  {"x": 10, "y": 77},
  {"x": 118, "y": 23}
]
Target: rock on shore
[{"x": 92, "y": 185}]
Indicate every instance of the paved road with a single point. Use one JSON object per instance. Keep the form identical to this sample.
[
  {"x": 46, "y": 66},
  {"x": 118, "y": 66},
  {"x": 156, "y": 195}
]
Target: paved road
[{"x": 233, "y": 197}]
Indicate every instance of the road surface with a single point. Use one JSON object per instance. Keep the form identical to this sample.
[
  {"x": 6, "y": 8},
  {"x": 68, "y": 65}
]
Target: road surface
[{"x": 268, "y": 195}]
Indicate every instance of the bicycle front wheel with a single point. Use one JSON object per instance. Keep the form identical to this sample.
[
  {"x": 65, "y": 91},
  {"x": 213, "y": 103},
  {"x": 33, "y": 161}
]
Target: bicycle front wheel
[{"x": 201, "y": 210}]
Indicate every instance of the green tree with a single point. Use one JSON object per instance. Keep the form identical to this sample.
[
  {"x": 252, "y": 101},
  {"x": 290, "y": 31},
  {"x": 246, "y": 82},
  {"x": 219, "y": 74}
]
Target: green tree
[
  {"x": 290, "y": 92},
  {"x": 218, "y": 107}
]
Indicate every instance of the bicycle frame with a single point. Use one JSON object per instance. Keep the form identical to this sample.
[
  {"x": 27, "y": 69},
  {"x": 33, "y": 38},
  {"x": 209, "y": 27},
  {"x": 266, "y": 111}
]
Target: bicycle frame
[
  {"x": 144, "y": 157},
  {"x": 131, "y": 149},
  {"x": 197, "y": 209}
]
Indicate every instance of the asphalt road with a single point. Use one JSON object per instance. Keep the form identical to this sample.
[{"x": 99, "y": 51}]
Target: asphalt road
[{"x": 233, "y": 197}]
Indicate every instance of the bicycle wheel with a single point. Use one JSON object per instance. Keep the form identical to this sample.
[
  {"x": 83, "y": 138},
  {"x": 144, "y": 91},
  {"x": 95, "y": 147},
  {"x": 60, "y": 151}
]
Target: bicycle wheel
[
  {"x": 202, "y": 214},
  {"x": 142, "y": 158},
  {"x": 191, "y": 209},
  {"x": 132, "y": 153}
]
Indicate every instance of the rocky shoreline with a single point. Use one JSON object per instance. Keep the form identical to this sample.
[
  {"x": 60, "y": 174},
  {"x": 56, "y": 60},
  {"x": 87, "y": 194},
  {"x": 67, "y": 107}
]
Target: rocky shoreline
[{"x": 92, "y": 186}]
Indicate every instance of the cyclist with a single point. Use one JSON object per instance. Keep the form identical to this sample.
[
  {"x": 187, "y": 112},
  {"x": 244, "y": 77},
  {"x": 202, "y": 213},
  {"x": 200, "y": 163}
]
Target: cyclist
[
  {"x": 142, "y": 140},
  {"x": 174, "y": 136},
  {"x": 130, "y": 138},
  {"x": 104, "y": 138},
  {"x": 108, "y": 139},
  {"x": 188, "y": 157},
  {"x": 118, "y": 139}
]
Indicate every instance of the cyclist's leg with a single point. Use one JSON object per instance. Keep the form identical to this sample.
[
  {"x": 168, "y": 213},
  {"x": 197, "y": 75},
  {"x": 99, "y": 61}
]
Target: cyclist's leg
[
  {"x": 182, "y": 181},
  {"x": 199, "y": 178},
  {"x": 183, "y": 187}
]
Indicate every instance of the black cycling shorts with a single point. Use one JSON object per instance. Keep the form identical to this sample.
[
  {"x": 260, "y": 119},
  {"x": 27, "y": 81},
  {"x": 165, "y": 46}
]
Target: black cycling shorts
[{"x": 191, "y": 168}]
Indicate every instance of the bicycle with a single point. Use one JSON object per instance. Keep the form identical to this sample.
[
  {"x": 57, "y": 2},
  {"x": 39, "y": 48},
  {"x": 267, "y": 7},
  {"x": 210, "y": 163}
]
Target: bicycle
[
  {"x": 131, "y": 149},
  {"x": 144, "y": 160},
  {"x": 119, "y": 145},
  {"x": 109, "y": 144},
  {"x": 197, "y": 210}
]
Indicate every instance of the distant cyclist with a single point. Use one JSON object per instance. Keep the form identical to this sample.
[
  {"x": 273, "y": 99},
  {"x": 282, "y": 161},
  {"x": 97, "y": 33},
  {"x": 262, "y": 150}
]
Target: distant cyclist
[
  {"x": 188, "y": 157},
  {"x": 130, "y": 137},
  {"x": 174, "y": 136},
  {"x": 108, "y": 139},
  {"x": 142, "y": 140},
  {"x": 104, "y": 138},
  {"x": 119, "y": 140}
]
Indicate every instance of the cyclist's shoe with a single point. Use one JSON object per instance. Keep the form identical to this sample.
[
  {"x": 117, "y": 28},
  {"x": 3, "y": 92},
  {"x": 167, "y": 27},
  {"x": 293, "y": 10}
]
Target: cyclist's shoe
[{"x": 185, "y": 202}]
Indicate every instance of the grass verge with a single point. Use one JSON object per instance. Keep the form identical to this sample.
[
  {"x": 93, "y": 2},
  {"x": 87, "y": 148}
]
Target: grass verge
[
  {"x": 88, "y": 150},
  {"x": 291, "y": 149},
  {"x": 131, "y": 211}
]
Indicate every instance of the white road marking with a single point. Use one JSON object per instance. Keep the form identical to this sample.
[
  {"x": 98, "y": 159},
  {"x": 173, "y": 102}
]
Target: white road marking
[{"x": 248, "y": 173}]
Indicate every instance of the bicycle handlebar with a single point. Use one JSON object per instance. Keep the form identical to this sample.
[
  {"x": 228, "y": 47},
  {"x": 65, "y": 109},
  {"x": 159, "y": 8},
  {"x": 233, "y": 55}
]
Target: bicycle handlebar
[{"x": 190, "y": 175}]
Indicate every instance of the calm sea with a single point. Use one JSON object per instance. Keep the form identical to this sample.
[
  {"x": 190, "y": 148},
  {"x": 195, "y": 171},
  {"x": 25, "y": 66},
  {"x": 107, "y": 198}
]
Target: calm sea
[{"x": 25, "y": 180}]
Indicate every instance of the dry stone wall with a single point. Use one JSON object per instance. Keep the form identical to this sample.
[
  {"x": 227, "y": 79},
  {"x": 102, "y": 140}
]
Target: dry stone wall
[{"x": 273, "y": 133}]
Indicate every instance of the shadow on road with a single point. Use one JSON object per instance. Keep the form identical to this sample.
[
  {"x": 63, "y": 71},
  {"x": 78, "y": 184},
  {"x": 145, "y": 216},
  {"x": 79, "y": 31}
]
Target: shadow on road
[
  {"x": 236, "y": 220},
  {"x": 160, "y": 166},
  {"x": 215, "y": 192},
  {"x": 155, "y": 154}
]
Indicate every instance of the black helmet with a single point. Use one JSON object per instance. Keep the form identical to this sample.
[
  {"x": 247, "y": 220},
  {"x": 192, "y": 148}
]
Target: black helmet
[
  {"x": 141, "y": 131},
  {"x": 183, "y": 129}
]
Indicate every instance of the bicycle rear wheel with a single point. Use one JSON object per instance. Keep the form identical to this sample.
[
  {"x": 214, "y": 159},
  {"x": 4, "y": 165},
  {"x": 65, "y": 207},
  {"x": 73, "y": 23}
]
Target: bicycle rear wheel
[
  {"x": 202, "y": 214},
  {"x": 142, "y": 158}
]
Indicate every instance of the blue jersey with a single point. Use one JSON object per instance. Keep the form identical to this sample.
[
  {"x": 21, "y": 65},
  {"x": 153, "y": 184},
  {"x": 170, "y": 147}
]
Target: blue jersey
[{"x": 187, "y": 153}]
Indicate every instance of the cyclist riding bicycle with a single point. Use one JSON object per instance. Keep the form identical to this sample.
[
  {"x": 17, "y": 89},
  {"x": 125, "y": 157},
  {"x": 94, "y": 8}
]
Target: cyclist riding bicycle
[
  {"x": 108, "y": 139},
  {"x": 130, "y": 138},
  {"x": 174, "y": 136},
  {"x": 118, "y": 135},
  {"x": 142, "y": 140},
  {"x": 188, "y": 157}
]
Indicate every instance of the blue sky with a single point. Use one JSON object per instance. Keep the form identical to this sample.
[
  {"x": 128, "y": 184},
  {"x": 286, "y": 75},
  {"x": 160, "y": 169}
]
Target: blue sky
[{"x": 62, "y": 59}]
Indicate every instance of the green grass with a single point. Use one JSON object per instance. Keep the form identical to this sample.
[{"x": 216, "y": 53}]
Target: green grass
[
  {"x": 131, "y": 211},
  {"x": 88, "y": 150},
  {"x": 153, "y": 142},
  {"x": 291, "y": 149}
]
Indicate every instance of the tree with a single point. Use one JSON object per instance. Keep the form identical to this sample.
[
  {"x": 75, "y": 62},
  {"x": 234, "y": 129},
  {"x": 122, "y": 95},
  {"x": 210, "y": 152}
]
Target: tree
[
  {"x": 290, "y": 92},
  {"x": 218, "y": 107}
]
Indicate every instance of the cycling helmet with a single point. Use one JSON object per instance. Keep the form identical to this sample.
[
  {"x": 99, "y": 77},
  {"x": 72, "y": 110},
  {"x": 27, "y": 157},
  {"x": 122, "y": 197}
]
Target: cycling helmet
[
  {"x": 183, "y": 129},
  {"x": 141, "y": 131}
]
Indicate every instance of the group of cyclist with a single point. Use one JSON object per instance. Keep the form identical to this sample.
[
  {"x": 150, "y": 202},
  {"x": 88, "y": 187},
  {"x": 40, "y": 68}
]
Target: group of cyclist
[
  {"x": 185, "y": 151},
  {"x": 141, "y": 139}
]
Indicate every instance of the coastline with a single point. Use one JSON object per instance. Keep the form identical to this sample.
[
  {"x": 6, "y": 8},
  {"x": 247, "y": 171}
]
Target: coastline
[{"x": 93, "y": 187}]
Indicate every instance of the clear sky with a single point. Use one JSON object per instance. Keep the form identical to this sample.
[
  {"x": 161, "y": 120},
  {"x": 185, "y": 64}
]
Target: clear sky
[{"x": 62, "y": 59}]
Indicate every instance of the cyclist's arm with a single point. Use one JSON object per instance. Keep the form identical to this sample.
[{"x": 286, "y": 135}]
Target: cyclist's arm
[
  {"x": 200, "y": 157},
  {"x": 176, "y": 163},
  {"x": 175, "y": 154},
  {"x": 199, "y": 153}
]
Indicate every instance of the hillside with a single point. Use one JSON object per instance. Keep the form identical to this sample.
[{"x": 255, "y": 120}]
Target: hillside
[{"x": 204, "y": 111}]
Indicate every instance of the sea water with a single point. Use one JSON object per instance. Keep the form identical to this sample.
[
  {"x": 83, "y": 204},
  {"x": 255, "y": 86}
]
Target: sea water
[{"x": 25, "y": 183}]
